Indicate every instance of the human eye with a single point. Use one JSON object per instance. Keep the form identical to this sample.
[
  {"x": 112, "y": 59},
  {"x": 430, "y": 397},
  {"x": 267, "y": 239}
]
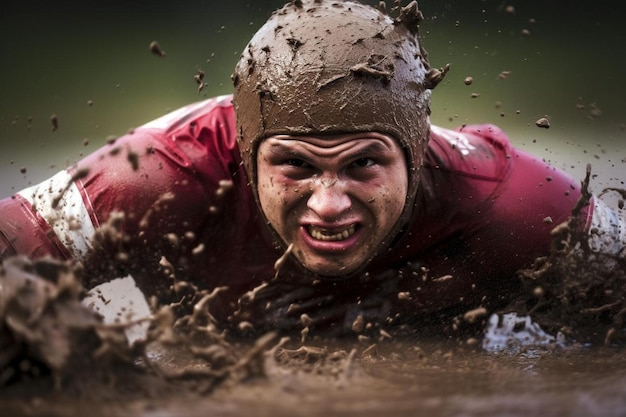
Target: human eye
[
  {"x": 296, "y": 163},
  {"x": 296, "y": 168},
  {"x": 363, "y": 163}
]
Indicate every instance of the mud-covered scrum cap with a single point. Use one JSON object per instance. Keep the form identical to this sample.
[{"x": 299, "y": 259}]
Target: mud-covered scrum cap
[{"x": 332, "y": 66}]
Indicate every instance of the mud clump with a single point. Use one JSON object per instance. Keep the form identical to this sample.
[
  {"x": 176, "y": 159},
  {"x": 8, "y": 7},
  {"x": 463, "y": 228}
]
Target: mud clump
[
  {"x": 56, "y": 352},
  {"x": 543, "y": 123},
  {"x": 574, "y": 290},
  {"x": 46, "y": 331},
  {"x": 51, "y": 343}
]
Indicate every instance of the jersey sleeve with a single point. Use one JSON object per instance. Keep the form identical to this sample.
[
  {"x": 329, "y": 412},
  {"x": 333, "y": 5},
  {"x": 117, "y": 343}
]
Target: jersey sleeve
[
  {"x": 531, "y": 198},
  {"x": 487, "y": 211},
  {"x": 534, "y": 197},
  {"x": 141, "y": 193}
]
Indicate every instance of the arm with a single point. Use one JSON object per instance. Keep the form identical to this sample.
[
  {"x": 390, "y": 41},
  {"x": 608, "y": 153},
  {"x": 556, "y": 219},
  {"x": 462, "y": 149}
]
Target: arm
[
  {"x": 130, "y": 202},
  {"x": 24, "y": 232},
  {"x": 527, "y": 194},
  {"x": 534, "y": 197},
  {"x": 118, "y": 197}
]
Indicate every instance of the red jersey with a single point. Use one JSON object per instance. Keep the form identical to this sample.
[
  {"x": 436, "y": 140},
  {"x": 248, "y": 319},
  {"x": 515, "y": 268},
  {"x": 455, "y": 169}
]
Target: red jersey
[{"x": 178, "y": 207}]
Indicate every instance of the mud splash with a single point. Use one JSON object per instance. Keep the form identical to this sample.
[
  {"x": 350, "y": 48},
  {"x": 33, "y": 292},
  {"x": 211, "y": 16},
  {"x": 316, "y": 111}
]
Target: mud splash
[
  {"x": 45, "y": 329},
  {"x": 48, "y": 334},
  {"x": 57, "y": 356},
  {"x": 576, "y": 291}
]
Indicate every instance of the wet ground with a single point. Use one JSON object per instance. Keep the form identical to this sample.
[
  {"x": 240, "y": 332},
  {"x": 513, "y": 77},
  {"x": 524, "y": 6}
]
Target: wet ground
[
  {"x": 71, "y": 364},
  {"x": 398, "y": 377},
  {"x": 444, "y": 382}
]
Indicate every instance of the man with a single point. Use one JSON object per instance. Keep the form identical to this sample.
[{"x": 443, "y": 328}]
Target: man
[{"x": 319, "y": 196}]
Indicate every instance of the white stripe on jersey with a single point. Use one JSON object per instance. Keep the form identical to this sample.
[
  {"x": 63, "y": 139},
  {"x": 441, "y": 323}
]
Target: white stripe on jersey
[
  {"x": 457, "y": 140},
  {"x": 70, "y": 219},
  {"x": 607, "y": 233},
  {"x": 169, "y": 119}
]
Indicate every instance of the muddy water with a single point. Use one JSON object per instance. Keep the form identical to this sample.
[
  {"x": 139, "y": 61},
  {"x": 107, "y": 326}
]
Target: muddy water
[
  {"x": 466, "y": 383},
  {"x": 398, "y": 377}
]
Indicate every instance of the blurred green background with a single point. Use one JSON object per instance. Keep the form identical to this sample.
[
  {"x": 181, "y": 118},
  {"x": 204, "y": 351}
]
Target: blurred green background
[{"x": 90, "y": 65}]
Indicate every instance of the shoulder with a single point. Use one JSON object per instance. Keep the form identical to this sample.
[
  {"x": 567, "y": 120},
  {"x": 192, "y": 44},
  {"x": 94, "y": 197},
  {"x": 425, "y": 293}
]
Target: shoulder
[
  {"x": 200, "y": 134},
  {"x": 205, "y": 110},
  {"x": 481, "y": 150},
  {"x": 462, "y": 171}
]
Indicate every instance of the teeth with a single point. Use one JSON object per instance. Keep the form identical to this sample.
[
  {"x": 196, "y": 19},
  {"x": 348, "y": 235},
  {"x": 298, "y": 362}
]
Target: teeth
[{"x": 324, "y": 235}]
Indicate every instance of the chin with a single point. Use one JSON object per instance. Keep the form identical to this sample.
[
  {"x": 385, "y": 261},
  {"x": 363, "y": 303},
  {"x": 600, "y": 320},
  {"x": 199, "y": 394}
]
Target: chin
[{"x": 333, "y": 272}]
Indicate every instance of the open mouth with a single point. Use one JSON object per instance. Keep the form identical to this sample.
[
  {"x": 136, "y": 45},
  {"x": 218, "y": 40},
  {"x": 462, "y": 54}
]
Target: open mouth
[{"x": 331, "y": 235}]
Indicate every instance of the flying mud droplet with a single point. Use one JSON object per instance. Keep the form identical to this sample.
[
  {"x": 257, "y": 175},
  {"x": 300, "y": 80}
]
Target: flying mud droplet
[
  {"x": 80, "y": 174},
  {"x": 434, "y": 76},
  {"x": 543, "y": 123},
  {"x": 199, "y": 79},
  {"x": 306, "y": 320},
  {"x": 281, "y": 261},
  {"x": 224, "y": 187},
  {"x": 155, "y": 48},
  {"x": 468, "y": 80},
  {"x": 167, "y": 267},
  {"x": 358, "y": 324},
  {"x": 475, "y": 314},
  {"x": 443, "y": 278},
  {"x": 384, "y": 335},
  {"x": 504, "y": 75},
  {"x": 198, "y": 250},
  {"x": 404, "y": 296},
  {"x": 54, "y": 120},
  {"x": 382, "y": 7}
]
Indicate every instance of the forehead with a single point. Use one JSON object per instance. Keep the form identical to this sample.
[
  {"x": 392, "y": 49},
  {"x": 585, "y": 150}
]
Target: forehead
[{"x": 374, "y": 141}]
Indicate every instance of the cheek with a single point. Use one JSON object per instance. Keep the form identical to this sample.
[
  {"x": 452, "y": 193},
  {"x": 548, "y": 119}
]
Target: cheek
[
  {"x": 390, "y": 201},
  {"x": 267, "y": 193},
  {"x": 274, "y": 194},
  {"x": 398, "y": 193}
]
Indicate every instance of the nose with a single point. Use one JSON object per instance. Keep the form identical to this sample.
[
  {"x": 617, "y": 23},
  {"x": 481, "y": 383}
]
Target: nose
[{"x": 328, "y": 198}]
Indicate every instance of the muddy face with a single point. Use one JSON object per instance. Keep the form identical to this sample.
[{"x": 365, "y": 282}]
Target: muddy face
[{"x": 335, "y": 198}]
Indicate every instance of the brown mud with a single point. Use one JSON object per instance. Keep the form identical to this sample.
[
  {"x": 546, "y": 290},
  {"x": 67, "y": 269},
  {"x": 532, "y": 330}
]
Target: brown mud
[
  {"x": 574, "y": 290},
  {"x": 398, "y": 377}
]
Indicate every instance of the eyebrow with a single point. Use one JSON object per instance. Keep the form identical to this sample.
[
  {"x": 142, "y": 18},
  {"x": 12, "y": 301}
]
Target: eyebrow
[
  {"x": 279, "y": 148},
  {"x": 372, "y": 148},
  {"x": 369, "y": 149}
]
